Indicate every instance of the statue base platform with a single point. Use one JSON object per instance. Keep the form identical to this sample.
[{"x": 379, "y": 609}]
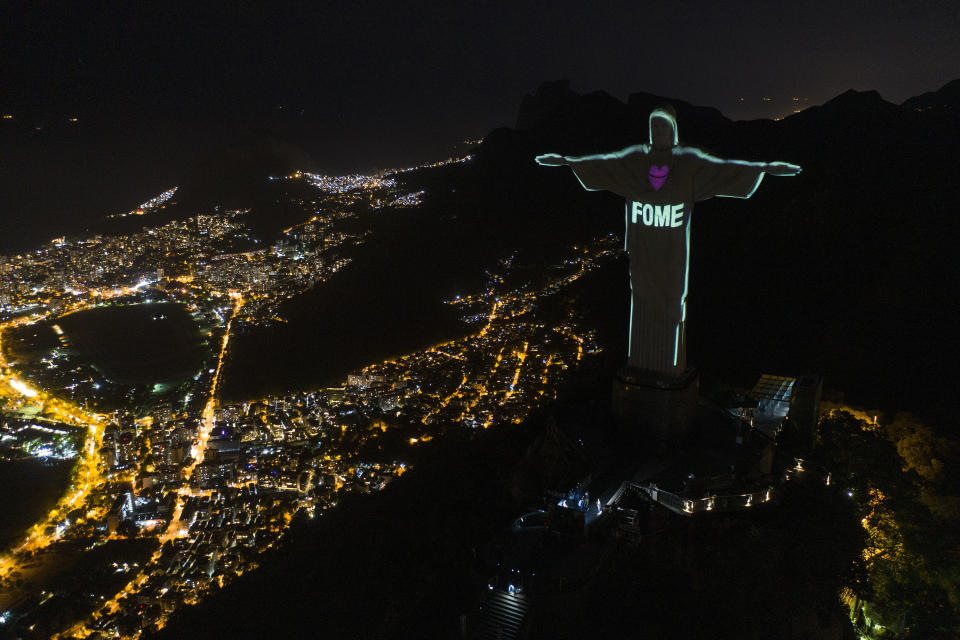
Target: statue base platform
[{"x": 650, "y": 405}]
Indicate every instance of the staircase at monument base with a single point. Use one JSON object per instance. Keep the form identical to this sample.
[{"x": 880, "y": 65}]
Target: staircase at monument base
[{"x": 502, "y": 616}]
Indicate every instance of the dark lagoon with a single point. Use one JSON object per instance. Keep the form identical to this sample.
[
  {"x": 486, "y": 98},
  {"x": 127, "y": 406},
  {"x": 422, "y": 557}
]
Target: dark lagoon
[{"x": 138, "y": 344}]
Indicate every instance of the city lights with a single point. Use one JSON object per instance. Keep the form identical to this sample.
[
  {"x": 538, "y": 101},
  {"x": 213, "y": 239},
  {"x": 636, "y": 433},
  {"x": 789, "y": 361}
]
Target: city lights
[{"x": 168, "y": 473}]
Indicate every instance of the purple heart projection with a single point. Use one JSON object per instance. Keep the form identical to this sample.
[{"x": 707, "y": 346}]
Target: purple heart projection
[{"x": 658, "y": 175}]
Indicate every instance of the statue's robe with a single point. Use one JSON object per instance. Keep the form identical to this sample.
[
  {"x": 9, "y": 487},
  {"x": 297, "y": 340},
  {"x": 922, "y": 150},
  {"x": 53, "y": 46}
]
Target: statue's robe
[{"x": 660, "y": 188}]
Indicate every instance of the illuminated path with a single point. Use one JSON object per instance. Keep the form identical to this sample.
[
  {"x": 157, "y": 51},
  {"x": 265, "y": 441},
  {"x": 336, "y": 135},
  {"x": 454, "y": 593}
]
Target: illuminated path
[
  {"x": 175, "y": 528},
  {"x": 206, "y": 426},
  {"x": 516, "y": 374},
  {"x": 86, "y": 475}
]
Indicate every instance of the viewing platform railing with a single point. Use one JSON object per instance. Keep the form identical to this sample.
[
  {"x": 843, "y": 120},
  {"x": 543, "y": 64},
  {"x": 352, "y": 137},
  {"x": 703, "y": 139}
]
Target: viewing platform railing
[{"x": 690, "y": 506}]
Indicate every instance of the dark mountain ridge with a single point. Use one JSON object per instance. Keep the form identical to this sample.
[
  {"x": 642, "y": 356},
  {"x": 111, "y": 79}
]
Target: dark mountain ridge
[{"x": 946, "y": 98}]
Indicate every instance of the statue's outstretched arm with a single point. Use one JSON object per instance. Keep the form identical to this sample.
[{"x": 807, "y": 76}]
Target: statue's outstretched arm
[
  {"x": 601, "y": 172},
  {"x": 714, "y": 176}
]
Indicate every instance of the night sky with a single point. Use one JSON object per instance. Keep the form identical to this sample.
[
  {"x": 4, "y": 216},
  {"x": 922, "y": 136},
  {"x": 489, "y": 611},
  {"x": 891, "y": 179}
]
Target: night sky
[{"x": 361, "y": 84}]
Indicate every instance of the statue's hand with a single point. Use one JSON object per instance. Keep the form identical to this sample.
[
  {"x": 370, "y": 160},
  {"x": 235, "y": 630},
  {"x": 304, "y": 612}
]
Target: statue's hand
[
  {"x": 782, "y": 169},
  {"x": 551, "y": 160}
]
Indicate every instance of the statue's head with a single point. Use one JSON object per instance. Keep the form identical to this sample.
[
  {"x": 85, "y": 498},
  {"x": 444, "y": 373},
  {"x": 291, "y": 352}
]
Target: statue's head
[{"x": 663, "y": 128}]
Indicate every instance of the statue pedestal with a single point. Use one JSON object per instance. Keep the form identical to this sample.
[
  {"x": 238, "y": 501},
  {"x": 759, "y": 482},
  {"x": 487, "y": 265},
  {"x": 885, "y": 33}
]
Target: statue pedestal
[{"x": 651, "y": 405}]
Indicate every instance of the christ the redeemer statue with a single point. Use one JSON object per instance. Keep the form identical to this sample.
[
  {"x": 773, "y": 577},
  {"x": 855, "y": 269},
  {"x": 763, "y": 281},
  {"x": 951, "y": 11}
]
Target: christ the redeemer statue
[{"x": 661, "y": 181}]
